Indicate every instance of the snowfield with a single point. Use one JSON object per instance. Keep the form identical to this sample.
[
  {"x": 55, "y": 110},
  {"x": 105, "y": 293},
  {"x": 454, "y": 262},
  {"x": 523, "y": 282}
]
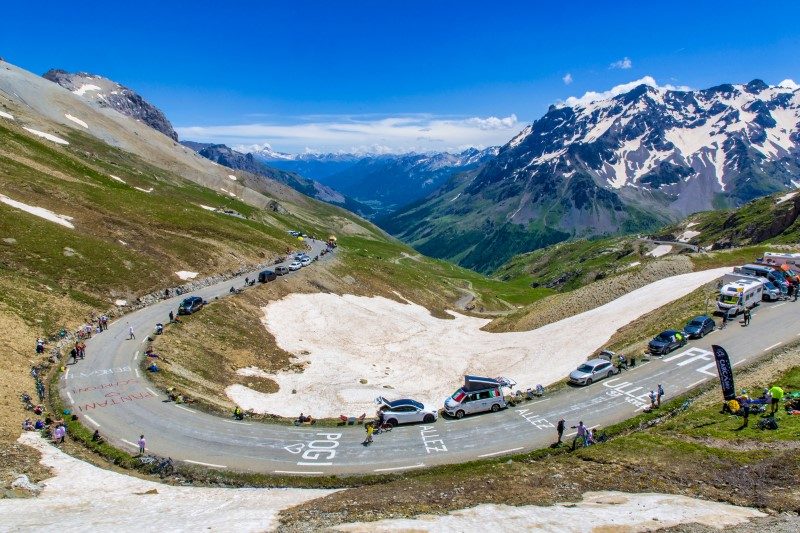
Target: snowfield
[
  {"x": 661, "y": 249},
  {"x": 400, "y": 349},
  {"x": 48, "y": 136},
  {"x": 599, "y": 511},
  {"x": 83, "y": 497},
  {"x": 86, "y": 87},
  {"x": 76, "y": 120},
  {"x": 46, "y": 214}
]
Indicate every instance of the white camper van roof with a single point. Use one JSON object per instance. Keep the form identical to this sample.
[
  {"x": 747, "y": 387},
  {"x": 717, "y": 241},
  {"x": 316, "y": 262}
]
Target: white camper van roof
[{"x": 743, "y": 284}]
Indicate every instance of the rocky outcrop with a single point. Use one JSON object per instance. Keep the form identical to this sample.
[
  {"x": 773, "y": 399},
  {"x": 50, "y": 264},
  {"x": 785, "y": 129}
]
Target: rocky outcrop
[{"x": 110, "y": 94}]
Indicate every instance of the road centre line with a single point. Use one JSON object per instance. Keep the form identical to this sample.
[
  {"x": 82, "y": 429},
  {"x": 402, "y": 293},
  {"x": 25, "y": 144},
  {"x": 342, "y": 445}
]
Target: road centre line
[
  {"x": 421, "y": 465},
  {"x": 204, "y": 464},
  {"x": 237, "y": 422},
  {"x": 305, "y": 463},
  {"x": 129, "y": 443},
  {"x": 778, "y": 305},
  {"x": 768, "y": 348},
  {"x": 90, "y": 419},
  {"x": 740, "y": 361},
  {"x": 70, "y": 397},
  {"x": 295, "y": 472},
  {"x": 501, "y": 452},
  {"x": 151, "y": 391},
  {"x": 185, "y": 409},
  {"x": 137, "y": 372}
]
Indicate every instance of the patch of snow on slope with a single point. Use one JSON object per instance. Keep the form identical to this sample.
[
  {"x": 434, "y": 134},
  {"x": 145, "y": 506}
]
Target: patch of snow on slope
[
  {"x": 521, "y": 136},
  {"x": 120, "y": 303},
  {"x": 207, "y": 208},
  {"x": 456, "y": 197},
  {"x": 9, "y": 116},
  {"x": 231, "y": 176},
  {"x": 787, "y": 196},
  {"x": 601, "y": 511},
  {"x": 186, "y": 275},
  {"x": 62, "y": 220},
  {"x": 600, "y": 128},
  {"x": 688, "y": 235},
  {"x": 144, "y": 190},
  {"x": 115, "y": 178},
  {"x": 691, "y": 140},
  {"x": 348, "y": 338},
  {"x": 83, "y": 497},
  {"x": 48, "y": 136},
  {"x": 661, "y": 249},
  {"x": 76, "y": 120},
  {"x": 86, "y": 87}
]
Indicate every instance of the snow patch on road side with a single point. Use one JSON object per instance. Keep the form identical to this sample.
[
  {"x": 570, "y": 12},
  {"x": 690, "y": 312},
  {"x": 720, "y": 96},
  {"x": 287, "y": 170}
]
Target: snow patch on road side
[
  {"x": 76, "y": 120},
  {"x": 347, "y": 339},
  {"x": 599, "y": 511},
  {"x": 46, "y": 214},
  {"x": 120, "y": 303},
  {"x": 661, "y": 249},
  {"x": 84, "y": 497},
  {"x": 48, "y": 136},
  {"x": 186, "y": 275},
  {"x": 634, "y": 264},
  {"x": 9, "y": 116}
]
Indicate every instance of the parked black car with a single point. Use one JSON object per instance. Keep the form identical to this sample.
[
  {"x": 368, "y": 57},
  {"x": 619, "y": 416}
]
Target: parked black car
[
  {"x": 699, "y": 327},
  {"x": 190, "y": 305},
  {"x": 666, "y": 341},
  {"x": 267, "y": 275}
]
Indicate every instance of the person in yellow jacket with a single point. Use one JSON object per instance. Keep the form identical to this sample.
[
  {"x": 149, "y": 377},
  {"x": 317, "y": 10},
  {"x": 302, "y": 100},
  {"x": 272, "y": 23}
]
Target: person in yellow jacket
[
  {"x": 777, "y": 396},
  {"x": 370, "y": 430}
]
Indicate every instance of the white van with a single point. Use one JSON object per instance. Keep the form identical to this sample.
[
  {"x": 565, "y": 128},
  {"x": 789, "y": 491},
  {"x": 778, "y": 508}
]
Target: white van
[
  {"x": 478, "y": 395},
  {"x": 739, "y": 295},
  {"x": 771, "y": 292},
  {"x": 781, "y": 258}
]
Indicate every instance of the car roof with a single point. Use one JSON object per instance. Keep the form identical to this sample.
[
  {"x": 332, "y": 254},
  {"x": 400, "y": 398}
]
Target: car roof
[
  {"x": 669, "y": 332},
  {"x": 699, "y": 317},
  {"x": 595, "y": 362},
  {"x": 405, "y": 401}
]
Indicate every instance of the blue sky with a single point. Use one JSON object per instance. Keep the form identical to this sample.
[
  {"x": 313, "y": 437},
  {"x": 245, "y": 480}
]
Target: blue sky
[{"x": 394, "y": 75}]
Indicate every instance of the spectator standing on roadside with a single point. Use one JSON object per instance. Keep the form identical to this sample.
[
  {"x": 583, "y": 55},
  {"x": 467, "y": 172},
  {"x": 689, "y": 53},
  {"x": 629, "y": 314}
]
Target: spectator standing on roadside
[
  {"x": 747, "y": 317},
  {"x": 142, "y": 444},
  {"x": 171, "y": 317},
  {"x": 130, "y": 332},
  {"x": 581, "y": 434},
  {"x": 560, "y": 430},
  {"x": 777, "y": 395},
  {"x": 659, "y": 394},
  {"x": 653, "y": 397}
]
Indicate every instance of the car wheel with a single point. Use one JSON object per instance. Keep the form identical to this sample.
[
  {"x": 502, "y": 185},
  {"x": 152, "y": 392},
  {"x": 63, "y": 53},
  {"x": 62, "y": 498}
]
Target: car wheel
[
  {"x": 589, "y": 381},
  {"x": 429, "y": 419},
  {"x": 610, "y": 373},
  {"x": 495, "y": 407},
  {"x": 459, "y": 414},
  {"x": 391, "y": 422}
]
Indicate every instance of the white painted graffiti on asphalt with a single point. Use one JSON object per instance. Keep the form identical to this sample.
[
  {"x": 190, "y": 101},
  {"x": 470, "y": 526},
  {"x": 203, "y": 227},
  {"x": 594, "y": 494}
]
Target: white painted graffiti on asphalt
[
  {"x": 323, "y": 448},
  {"x": 620, "y": 389},
  {"x": 695, "y": 354},
  {"x": 534, "y": 419},
  {"x": 431, "y": 439},
  {"x": 100, "y": 372}
]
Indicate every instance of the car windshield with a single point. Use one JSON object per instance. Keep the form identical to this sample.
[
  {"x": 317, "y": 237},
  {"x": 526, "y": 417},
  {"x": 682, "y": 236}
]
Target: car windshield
[
  {"x": 697, "y": 322},
  {"x": 729, "y": 299},
  {"x": 585, "y": 368},
  {"x": 665, "y": 336}
]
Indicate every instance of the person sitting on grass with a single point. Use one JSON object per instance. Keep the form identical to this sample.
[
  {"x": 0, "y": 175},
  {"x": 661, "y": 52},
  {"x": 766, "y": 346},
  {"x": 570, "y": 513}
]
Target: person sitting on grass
[{"x": 237, "y": 413}]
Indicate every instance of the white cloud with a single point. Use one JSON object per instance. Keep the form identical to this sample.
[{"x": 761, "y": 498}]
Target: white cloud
[
  {"x": 567, "y": 79},
  {"x": 789, "y": 84},
  {"x": 593, "y": 96},
  {"x": 374, "y": 135},
  {"x": 625, "y": 63}
]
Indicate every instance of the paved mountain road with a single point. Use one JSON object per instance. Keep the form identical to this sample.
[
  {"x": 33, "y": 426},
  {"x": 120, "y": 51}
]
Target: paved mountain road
[{"x": 109, "y": 392}]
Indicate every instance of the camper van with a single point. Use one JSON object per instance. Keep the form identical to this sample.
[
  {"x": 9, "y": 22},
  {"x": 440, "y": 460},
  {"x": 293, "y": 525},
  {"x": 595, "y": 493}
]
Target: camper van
[
  {"x": 739, "y": 295},
  {"x": 478, "y": 395},
  {"x": 781, "y": 258},
  {"x": 771, "y": 292},
  {"x": 764, "y": 271}
]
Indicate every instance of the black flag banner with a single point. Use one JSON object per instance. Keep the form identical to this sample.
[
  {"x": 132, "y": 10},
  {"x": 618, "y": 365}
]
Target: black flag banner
[{"x": 725, "y": 372}]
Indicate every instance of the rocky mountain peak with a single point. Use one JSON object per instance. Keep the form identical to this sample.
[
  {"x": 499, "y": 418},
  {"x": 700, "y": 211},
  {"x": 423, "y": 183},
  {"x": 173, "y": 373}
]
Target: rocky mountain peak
[{"x": 110, "y": 94}]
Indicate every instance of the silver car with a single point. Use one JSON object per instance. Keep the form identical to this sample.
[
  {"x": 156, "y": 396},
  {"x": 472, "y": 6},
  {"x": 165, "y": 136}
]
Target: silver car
[
  {"x": 295, "y": 265},
  {"x": 591, "y": 371},
  {"x": 405, "y": 411}
]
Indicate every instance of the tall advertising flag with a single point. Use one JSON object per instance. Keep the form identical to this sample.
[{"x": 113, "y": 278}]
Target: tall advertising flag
[{"x": 725, "y": 372}]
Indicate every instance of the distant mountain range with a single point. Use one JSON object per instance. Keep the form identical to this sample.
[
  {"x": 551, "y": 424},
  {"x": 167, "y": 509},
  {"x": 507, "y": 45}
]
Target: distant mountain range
[
  {"x": 620, "y": 164},
  {"x": 228, "y": 157},
  {"x": 384, "y": 182}
]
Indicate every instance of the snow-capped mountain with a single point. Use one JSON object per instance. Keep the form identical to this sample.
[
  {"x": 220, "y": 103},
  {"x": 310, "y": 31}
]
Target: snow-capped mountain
[
  {"x": 107, "y": 93},
  {"x": 620, "y": 163},
  {"x": 386, "y": 181}
]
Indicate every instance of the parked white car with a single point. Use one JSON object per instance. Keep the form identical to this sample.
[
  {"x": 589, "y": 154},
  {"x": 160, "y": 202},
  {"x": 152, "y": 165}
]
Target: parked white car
[
  {"x": 405, "y": 411},
  {"x": 295, "y": 265}
]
